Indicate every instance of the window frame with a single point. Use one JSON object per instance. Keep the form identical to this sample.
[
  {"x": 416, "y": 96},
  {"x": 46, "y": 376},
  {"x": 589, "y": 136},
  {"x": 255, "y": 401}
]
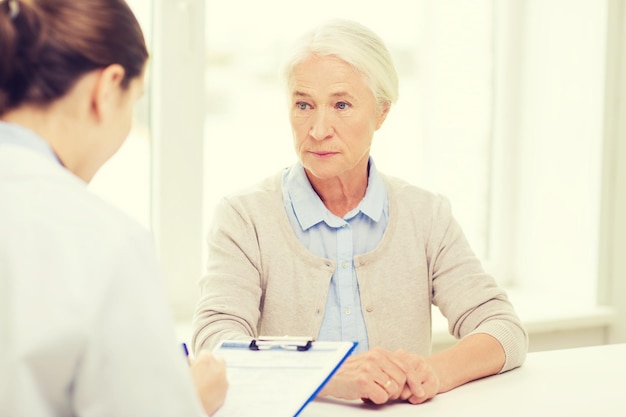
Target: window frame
[{"x": 178, "y": 62}]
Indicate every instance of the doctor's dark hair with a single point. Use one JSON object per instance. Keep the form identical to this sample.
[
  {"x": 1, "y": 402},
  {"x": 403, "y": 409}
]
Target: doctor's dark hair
[{"x": 47, "y": 45}]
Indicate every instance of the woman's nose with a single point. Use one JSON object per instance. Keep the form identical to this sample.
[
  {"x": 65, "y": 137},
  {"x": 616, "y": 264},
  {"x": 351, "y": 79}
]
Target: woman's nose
[{"x": 322, "y": 127}]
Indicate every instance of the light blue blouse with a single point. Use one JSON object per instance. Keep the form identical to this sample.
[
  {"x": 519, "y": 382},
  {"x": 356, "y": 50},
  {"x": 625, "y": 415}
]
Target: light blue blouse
[
  {"x": 20, "y": 136},
  {"x": 338, "y": 239}
]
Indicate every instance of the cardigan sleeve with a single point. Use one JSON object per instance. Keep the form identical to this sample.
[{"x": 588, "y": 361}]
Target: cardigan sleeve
[
  {"x": 230, "y": 291},
  {"x": 467, "y": 296}
]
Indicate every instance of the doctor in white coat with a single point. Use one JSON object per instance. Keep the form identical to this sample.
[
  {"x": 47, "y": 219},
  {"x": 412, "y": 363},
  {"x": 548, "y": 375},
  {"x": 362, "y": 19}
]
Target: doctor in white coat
[{"x": 84, "y": 325}]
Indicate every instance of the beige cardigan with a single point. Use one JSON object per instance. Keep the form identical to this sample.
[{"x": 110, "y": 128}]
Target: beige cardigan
[{"x": 261, "y": 280}]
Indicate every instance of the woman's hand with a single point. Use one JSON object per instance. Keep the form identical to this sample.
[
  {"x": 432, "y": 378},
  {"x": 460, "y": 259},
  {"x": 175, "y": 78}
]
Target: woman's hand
[
  {"x": 380, "y": 376},
  {"x": 209, "y": 377},
  {"x": 422, "y": 381},
  {"x": 376, "y": 375}
]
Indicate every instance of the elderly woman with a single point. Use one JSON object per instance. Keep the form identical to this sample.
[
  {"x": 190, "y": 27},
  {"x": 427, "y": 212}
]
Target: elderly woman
[
  {"x": 85, "y": 329},
  {"x": 332, "y": 248}
]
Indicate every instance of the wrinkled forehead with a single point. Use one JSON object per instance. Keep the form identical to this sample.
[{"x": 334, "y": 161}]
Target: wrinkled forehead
[{"x": 316, "y": 70}]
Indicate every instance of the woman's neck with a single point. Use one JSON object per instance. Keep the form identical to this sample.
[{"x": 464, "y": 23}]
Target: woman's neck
[
  {"x": 340, "y": 194},
  {"x": 57, "y": 129}
]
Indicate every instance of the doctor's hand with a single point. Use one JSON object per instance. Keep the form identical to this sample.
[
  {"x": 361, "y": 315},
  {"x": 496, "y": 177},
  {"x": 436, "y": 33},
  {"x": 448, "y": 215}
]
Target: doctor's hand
[
  {"x": 377, "y": 375},
  {"x": 209, "y": 377}
]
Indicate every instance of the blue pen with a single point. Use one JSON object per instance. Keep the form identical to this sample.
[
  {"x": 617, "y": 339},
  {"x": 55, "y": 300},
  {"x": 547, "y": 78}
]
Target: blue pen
[{"x": 186, "y": 352}]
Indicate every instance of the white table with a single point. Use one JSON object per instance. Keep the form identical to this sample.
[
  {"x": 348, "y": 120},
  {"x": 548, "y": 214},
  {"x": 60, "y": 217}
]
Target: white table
[{"x": 588, "y": 382}]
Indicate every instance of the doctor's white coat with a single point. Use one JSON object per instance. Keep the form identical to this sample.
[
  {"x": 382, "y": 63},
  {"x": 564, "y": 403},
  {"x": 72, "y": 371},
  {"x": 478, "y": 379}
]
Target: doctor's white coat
[{"x": 85, "y": 329}]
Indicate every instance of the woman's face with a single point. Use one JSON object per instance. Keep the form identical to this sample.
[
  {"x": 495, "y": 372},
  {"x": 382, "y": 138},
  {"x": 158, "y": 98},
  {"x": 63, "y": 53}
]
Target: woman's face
[{"x": 333, "y": 115}]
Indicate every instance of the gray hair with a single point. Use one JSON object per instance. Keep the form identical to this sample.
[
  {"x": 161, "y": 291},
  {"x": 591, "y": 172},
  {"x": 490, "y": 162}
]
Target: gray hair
[{"x": 358, "y": 46}]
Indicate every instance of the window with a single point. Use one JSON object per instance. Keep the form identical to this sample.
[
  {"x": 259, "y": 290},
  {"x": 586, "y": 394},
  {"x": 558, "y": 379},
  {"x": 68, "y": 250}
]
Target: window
[{"x": 548, "y": 134}]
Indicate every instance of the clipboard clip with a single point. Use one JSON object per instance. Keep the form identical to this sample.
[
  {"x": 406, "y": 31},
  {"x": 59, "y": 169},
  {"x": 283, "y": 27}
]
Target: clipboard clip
[{"x": 298, "y": 344}]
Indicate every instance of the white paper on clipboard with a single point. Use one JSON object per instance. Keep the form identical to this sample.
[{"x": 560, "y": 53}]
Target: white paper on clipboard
[{"x": 280, "y": 378}]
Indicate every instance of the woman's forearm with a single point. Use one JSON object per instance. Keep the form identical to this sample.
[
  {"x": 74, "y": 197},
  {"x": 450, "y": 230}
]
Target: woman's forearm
[{"x": 476, "y": 356}]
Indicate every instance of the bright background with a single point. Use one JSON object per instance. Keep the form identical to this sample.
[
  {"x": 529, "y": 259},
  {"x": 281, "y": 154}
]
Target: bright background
[{"x": 509, "y": 108}]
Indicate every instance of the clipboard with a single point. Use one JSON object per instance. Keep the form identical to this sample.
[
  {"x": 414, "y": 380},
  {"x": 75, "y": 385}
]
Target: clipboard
[{"x": 277, "y": 376}]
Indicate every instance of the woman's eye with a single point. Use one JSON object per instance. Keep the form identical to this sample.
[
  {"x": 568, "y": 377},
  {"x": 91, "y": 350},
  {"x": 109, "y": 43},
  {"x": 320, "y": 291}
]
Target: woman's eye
[
  {"x": 342, "y": 105},
  {"x": 302, "y": 106}
]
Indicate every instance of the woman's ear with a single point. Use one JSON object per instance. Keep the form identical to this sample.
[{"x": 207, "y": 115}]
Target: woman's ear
[
  {"x": 384, "y": 111},
  {"x": 107, "y": 91}
]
